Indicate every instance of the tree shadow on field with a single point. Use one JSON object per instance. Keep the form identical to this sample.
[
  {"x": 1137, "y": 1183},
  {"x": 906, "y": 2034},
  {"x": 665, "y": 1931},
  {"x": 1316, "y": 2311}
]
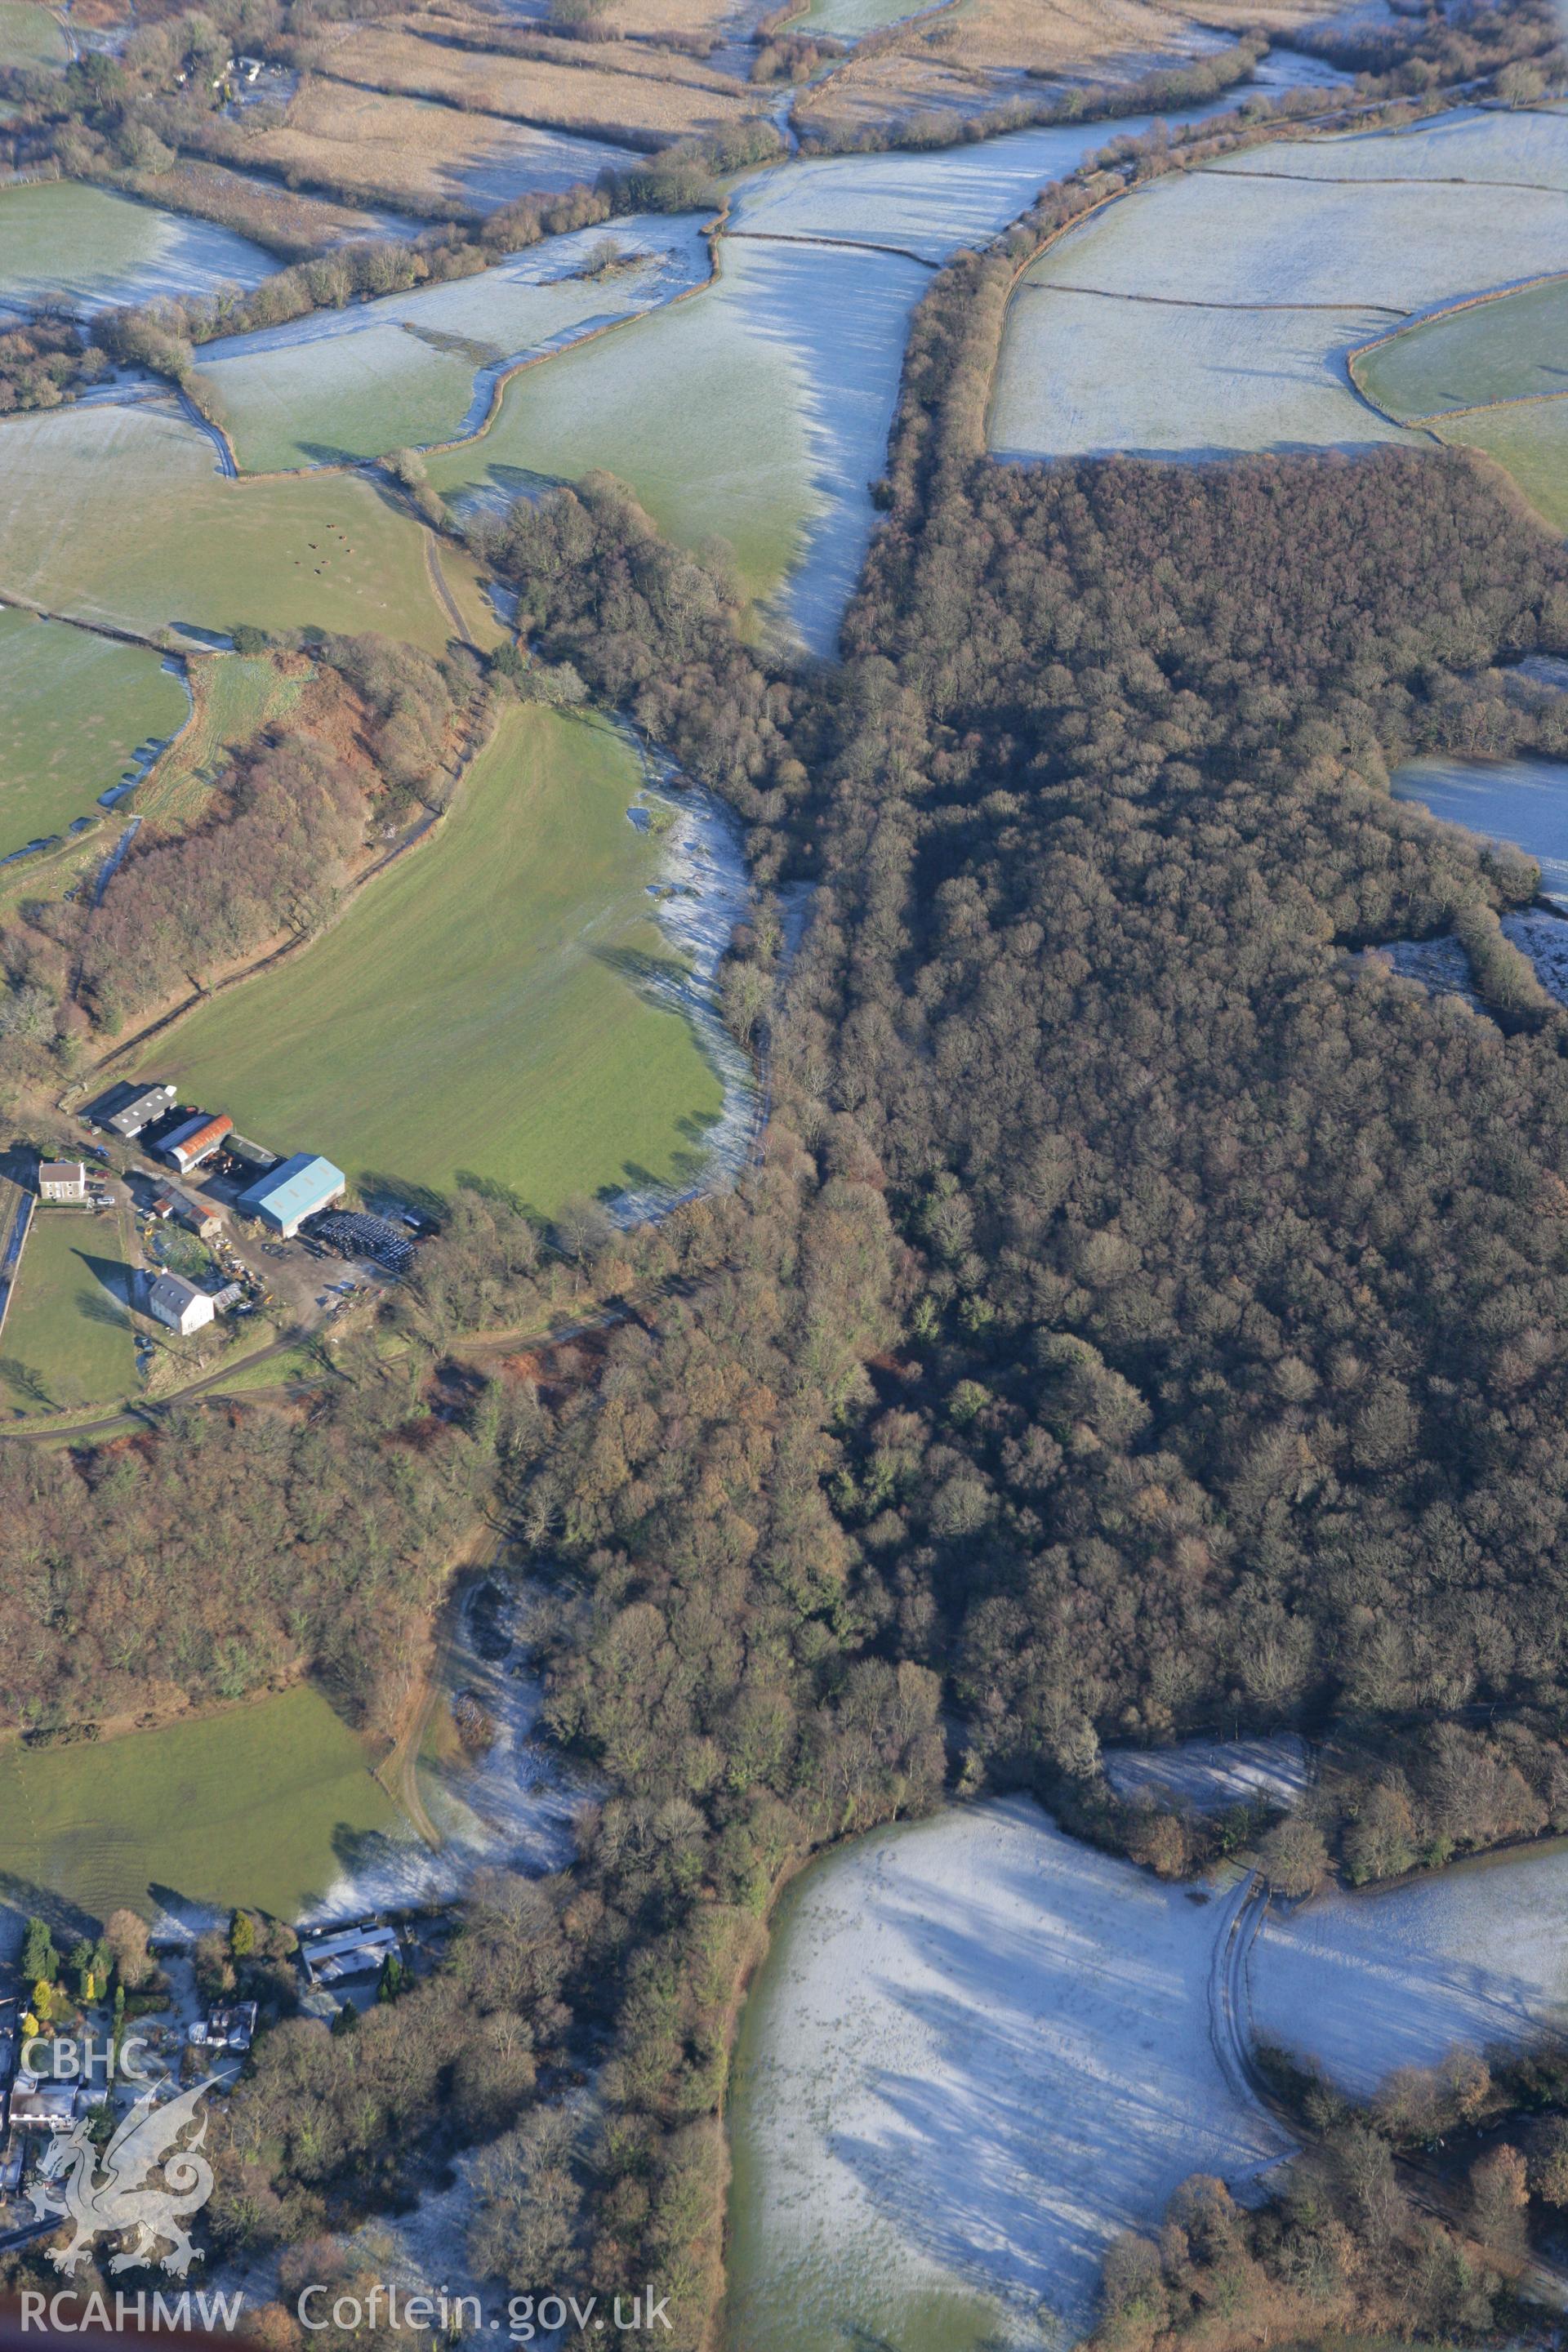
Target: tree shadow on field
[
  {"x": 327, "y": 453},
  {"x": 388, "y": 1869},
  {"x": 490, "y": 1188},
  {"x": 22, "y": 1899},
  {"x": 25, "y": 1381},
  {"x": 425, "y": 1199},
  {"x": 110, "y": 1302},
  {"x": 187, "y": 1910}
]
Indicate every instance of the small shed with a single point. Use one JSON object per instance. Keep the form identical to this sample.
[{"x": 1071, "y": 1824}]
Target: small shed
[{"x": 199, "y": 1215}]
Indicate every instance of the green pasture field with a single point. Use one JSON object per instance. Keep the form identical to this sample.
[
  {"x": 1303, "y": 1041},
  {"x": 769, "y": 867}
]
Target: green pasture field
[
  {"x": 395, "y": 373},
  {"x": 1531, "y": 443},
  {"x": 67, "y": 1340},
  {"x": 244, "y": 1807},
  {"x": 1511, "y": 348},
  {"x": 848, "y": 19},
  {"x": 92, "y": 245},
  {"x": 476, "y": 1008},
  {"x": 120, "y": 515},
  {"x": 30, "y": 36},
  {"x": 693, "y": 407},
  {"x": 332, "y": 397},
  {"x": 73, "y": 710}
]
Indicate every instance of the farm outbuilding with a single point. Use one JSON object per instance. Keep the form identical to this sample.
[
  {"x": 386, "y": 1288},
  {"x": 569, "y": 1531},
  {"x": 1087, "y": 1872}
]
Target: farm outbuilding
[
  {"x": 353, "y": 1952},
  {"x": 198, "y": 1216},
  {"x": 179, "y": 1304},
  {"x": 49, "y": 2106},
  {"x": 127, "y": 1110},
  {"x": 296, "y": 1189},
  {"x": 196, "y": 1140}
]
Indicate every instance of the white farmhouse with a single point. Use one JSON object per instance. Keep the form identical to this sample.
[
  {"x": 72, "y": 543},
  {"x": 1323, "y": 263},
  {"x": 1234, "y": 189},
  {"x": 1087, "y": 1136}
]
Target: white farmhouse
[
  {"x": 62, "y": 1180},
  {"x": 179, "y": 1304}
]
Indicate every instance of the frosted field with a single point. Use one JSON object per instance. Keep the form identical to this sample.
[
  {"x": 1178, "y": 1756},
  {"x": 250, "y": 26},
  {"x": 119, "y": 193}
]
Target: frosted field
[
  {"x": 30, "y": 36},
  {"x": 758, "y": 410},
  {"x": 1511, "y": 149},
  {"x": 1210, "y": 1774},
  {"x": 93, "y": 248},
  {"x": 927, "y": 205},
  {"x": 1216, "y": 237},
  {"x": 850, "y": 18},
  {"x": 1522, "y": 801},
  {"x": 1371, "y": 1981},
  {"x": 410, "y": 368},
  {"x": 1214, "y": 311},
  {"x": 522, "y": 160},
  {"x": 1083, "y": 374},
  {"x": 976, "y": 2051}
]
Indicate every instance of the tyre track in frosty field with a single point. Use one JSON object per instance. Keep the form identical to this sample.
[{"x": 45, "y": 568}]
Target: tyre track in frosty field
[
  {"x": 1229, "y": 2003},
  {"x": 1231, "y": 2037}
]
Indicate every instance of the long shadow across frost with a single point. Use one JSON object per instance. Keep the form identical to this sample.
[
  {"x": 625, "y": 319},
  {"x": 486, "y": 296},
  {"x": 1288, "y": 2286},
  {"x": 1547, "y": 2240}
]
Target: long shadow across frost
[
  {"x": 844, "y": 316},
  {"x": 977, "y": 2051}
]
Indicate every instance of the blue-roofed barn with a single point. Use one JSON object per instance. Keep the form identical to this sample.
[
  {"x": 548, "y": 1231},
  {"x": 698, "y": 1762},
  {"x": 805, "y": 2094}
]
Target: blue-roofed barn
[{"x": 296, "y": 1189}]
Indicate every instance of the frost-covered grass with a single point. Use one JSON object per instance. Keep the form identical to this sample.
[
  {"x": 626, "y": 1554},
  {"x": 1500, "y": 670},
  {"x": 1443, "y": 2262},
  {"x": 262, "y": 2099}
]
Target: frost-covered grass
[
  {"x": 1513, "y": 348},
  {"x": 1216, "y": 237},
  {"x": 401, "y": 372},
  {"x": 1086, "y": 374},
  {"x": 1366, "y": 1982},
  {"x": 30, "y": 34},
  {"x": 758, "y": 410},
  {"x": 1240, "y": 293},
  {"x": 1466, "y": 144},
  {"x": 1520, "y": 801},
  {"x": 850, "y": 18},
  {"x": 1210, "y": 1774},
  {"x": 977, "y": 2051},
  {"x": 120, "y": 514},
  {"x": 74, "y": 709},
  {"x": 927, "y": 204},
  {"x": 91, "y": 248}
]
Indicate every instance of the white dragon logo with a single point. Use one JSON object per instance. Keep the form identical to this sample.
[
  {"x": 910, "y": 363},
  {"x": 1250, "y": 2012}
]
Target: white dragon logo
[{"x": 124, "y": 2197}]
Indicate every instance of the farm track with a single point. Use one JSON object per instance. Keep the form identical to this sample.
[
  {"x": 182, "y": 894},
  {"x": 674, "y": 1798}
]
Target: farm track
[
  {"x": 1231, "y": 2035},
  {"x": 147, "y": 1412},
  {"x": 442, "y": 592},
  {"x": 1229, "y": 2011}
]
